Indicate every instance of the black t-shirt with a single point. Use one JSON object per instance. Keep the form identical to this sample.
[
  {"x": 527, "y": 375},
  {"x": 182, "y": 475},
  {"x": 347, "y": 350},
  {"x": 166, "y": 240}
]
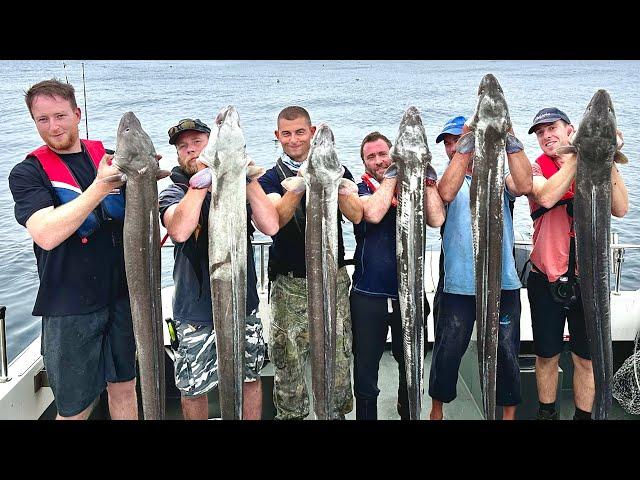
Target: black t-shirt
[
  {"x": 75, "y": 278},
  {"x": 288, "y": 248},
  {"x": 192, "y": 294}
]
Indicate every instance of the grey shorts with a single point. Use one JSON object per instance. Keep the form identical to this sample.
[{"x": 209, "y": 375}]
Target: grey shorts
[
  {"x": 83, "y": 352},
  {"x": 196, "y": 361}
]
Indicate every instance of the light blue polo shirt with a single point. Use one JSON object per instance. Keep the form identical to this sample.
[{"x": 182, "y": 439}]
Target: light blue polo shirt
[{"x": 457, "y": 241}]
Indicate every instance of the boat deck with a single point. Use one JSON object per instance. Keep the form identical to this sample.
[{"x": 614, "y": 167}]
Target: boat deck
[{"x": 465, "y": 407}]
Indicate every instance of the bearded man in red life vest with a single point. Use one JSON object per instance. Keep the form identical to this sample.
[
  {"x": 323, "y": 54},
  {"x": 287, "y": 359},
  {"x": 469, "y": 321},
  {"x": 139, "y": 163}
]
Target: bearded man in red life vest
[{"x": 75, "y": 220}]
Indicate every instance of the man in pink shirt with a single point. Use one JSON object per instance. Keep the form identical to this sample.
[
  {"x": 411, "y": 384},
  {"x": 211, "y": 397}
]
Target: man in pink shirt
[{"x": 552, "y": 285}]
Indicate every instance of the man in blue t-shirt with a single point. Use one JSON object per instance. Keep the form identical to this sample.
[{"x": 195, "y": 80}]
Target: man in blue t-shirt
[
  {"x": 454, "y": 304},
  {"x": 75, "y": 220},
  {"x": 289, "y": 342},
  {"x": 184, "y": 211},
  {"x": 374, "y": 294}
]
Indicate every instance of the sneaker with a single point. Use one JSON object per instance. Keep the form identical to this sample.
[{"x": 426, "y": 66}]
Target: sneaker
[
  {"x": 403, "y": 411},
  {"x": 546, "y": 415}
]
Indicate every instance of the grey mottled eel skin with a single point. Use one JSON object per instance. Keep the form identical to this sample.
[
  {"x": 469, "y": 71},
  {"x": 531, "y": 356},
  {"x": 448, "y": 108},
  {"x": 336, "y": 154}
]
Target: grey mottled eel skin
[
  {"x": 227, "y": 161},
  {"x": 490, "y": 124},
  {"x": 595, "y": 145},
  {"x": 322, "y": 174},
  {"x": 135, "y": 157},
  {"x": 411, "y": 154}
]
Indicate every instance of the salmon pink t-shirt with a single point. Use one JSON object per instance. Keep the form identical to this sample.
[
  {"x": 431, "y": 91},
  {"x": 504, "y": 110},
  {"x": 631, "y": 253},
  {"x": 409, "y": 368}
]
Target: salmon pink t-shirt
[{"x": 550, "y": 253}]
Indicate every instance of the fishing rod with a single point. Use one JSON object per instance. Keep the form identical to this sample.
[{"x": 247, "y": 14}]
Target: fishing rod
[{"x": 84, "y": 91}]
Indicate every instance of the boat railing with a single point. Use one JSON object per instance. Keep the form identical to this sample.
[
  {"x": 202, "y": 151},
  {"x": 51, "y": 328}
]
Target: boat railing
[
  {"x": 616, "y": 260},
  {"x": 4, "y": 364},
  {"x": 261, "y": 244},
  {"x": 617, "y": 256}
]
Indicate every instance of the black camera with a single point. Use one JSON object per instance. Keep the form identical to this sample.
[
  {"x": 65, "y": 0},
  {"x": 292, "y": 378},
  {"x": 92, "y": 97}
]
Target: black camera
[{"x": 565, "y": 292}]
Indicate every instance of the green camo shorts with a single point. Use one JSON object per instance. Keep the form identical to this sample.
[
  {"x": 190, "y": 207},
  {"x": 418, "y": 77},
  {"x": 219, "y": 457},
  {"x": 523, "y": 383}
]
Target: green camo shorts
[
  {"x": 196, "y": 361},
  {"x": 289, "y": 347}
]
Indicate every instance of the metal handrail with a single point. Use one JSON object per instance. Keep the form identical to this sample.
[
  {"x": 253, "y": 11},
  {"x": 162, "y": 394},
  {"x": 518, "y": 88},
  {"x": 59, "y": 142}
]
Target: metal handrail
[
  {"x": 261, "y": 244},
  {"x": 617, "y": 256},
  {"x": 617, "y": 251},
  {"x": 4, "y": 364},
  {"x": 254, "y": 243},
  {"x": 629, "y": 246}
]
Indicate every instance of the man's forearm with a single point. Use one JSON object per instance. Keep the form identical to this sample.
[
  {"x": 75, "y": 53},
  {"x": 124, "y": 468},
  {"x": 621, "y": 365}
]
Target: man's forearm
[
  {"x": 186, "y": 216},
  {"x": 286, "y": 206},
  {"x": 520, "y": 170},
  {"x": 433, "y": 207},
  {"x": 557, "y": 185},
  {"x": 451, "y": 181},
  {"x": 50, "y": 227},
  {"x": 264, "y": 214},
  {"x": 376, "y": 206},
  {"x": 619, "y": 194},
  {"x": 351, "y": 207}
]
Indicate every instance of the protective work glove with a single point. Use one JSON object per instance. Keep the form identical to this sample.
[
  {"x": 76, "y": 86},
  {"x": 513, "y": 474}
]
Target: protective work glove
[
  {"x": 466, "y": 143},
  {"x": 253, "y": 171},
  {"x": 431, "y": 177},
  {"x": 513, "y": 145},
  {"x": 391, "y": 171}
]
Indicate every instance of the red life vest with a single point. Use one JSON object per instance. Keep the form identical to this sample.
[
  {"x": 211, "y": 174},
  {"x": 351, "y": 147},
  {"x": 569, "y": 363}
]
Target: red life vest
[
  {"x": 67, "y": 188},
  {"x": 549, "y": 167},
  {"x": 369, "y": 182}
]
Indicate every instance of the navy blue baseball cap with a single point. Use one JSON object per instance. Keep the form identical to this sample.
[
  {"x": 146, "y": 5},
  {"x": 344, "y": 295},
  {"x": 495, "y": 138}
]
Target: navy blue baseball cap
[
  {"x": 548, "y": 115},
  {"x": 453, "y": 127}
]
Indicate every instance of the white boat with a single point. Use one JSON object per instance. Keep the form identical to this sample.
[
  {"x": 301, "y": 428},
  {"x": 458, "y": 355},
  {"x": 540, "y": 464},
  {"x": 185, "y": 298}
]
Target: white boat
[{"x": 25, "y": 394}]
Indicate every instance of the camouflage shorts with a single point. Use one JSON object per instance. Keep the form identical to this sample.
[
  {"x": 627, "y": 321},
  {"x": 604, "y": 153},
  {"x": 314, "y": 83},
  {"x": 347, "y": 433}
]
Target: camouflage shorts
[
  {"x": 196, "y": 361},
  {"x": 289, "y": 347}
]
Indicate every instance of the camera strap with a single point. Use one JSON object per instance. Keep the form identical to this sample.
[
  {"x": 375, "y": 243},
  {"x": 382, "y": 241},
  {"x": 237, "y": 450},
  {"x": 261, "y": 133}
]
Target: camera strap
[{"x": 571, "y": 273}]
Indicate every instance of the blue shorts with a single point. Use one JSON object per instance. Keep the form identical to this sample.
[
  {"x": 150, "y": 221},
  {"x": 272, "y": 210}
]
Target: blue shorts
[
  {"x": 453, "y": 329},
  {"x": 83, "y": 352}
]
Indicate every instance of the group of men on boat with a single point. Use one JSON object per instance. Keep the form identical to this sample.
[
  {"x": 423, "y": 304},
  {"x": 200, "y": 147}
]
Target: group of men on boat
[{"x": 75, "y": 220}]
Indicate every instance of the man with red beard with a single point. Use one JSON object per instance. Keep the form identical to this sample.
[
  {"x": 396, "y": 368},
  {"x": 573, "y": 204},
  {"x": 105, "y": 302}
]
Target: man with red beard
[
  {"x": 75, "y": 219},
  {"x": 184, "y": 210}
]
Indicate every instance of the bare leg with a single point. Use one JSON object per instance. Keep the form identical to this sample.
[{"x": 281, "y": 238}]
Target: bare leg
[
  {"x": 547, "y": 378},
  {"x": 436, "y": 410},
  {"x": 83, "y": 415},
  {"x": 252, "y": 400},
  {"x": 584, "y": 388},
  {"x": 195, "y": 408},
  {"x": 509, "y": 413},
  {"x": 123, "y": 401}
]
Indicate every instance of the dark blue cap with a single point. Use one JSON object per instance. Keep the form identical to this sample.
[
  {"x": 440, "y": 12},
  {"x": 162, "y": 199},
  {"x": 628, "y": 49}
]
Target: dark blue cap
[
  {"x": 453, "y": 127},
  {"x": 548, "y": 115}
]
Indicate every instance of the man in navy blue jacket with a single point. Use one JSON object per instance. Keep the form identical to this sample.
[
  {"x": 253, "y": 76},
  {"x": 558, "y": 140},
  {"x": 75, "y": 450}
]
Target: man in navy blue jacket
[{"x": 374, "y": 295}]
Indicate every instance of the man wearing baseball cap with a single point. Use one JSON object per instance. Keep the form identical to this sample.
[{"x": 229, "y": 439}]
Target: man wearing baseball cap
[
  {"x": 454, "y": 302},
  {"x": 184, "y": 211},
  {"x": 549, "y": 115},
  {"x": 552, "y": 285}
]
